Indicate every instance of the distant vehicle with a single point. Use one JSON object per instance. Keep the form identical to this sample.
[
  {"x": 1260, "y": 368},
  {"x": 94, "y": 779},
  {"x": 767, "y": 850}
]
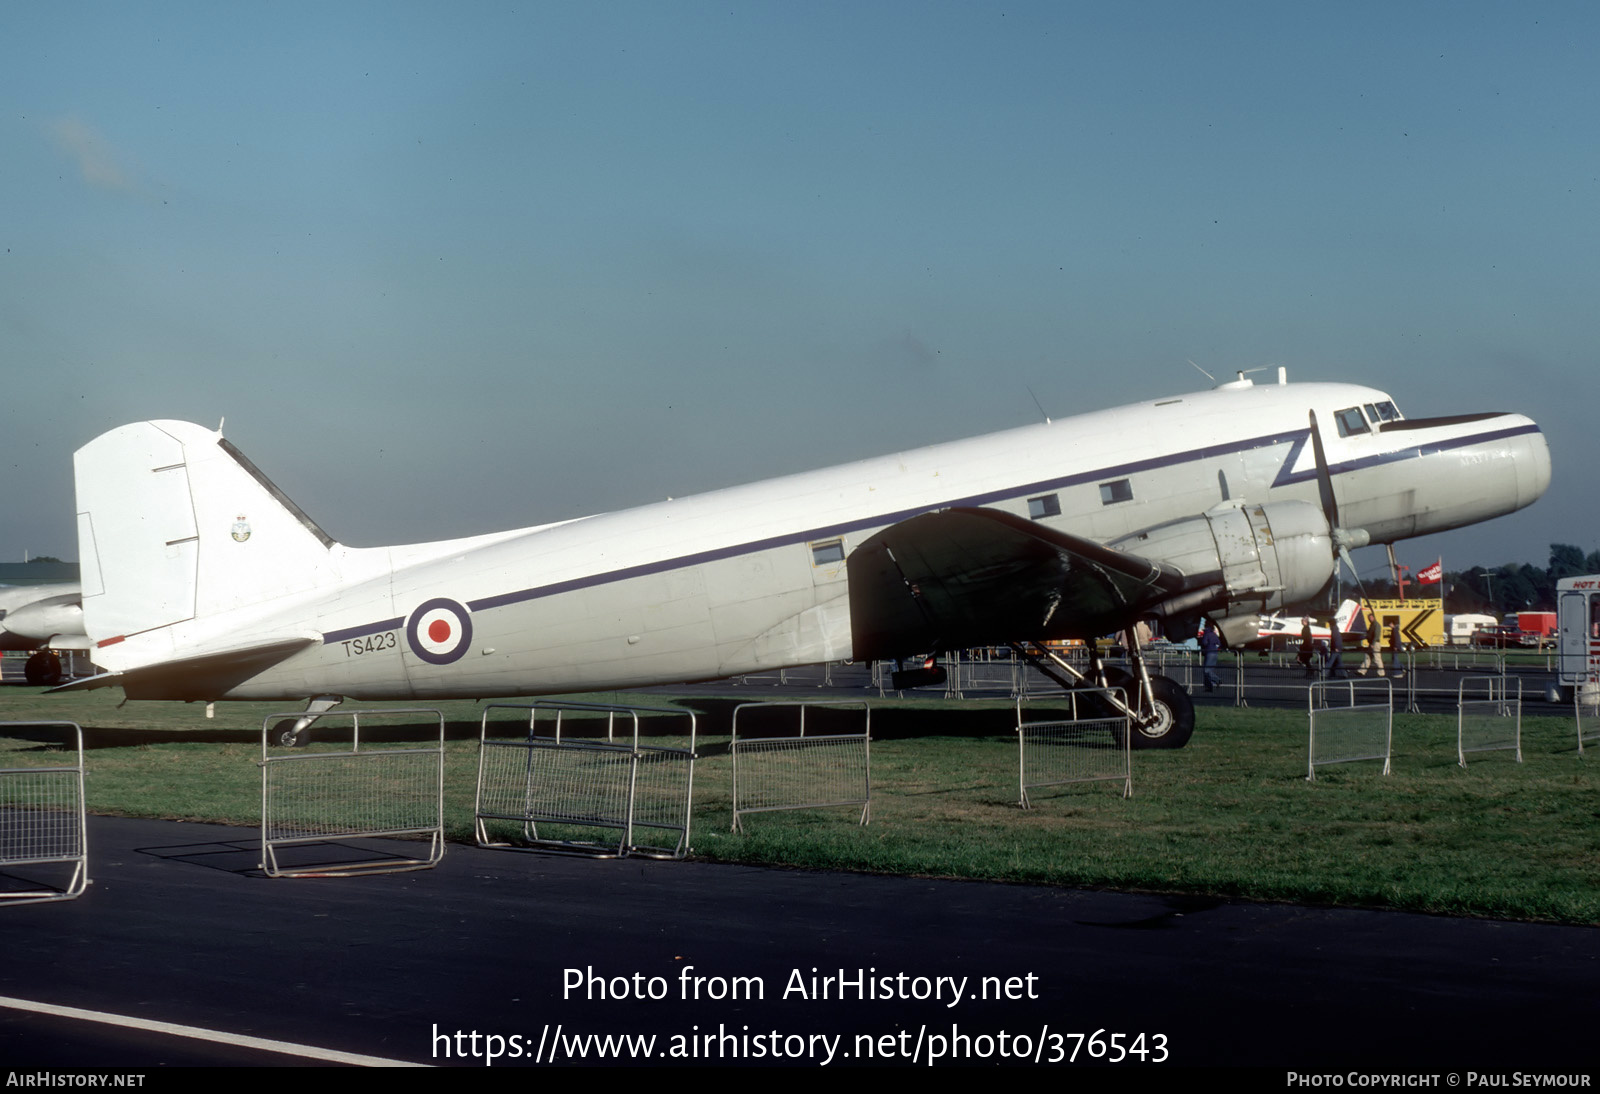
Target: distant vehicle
[
  {"x": 1541, "y": 625},
  {"x": 1577, "y": 636},
  {"x": 1459, "y": 629},
  {"x": 1503, "y": 637}
]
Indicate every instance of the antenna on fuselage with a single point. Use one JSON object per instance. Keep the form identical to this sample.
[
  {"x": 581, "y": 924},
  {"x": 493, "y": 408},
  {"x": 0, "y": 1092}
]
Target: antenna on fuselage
[
  {"x": 1038, "y": 404},
  {"x": 1203, "y": 372}
]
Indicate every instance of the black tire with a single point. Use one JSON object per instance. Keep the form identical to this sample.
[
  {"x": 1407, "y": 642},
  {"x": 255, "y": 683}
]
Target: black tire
[
  {"x": 42, "y": 668},
  {"x": 1176, "y": 726},
  {"x": 1172, "y": 722}
]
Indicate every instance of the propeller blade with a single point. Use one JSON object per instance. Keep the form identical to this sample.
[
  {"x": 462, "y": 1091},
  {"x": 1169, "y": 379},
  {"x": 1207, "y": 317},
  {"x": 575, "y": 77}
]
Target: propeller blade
[
  {"x": 1343, "y": 538},
  {"x": 1330, "y": 506}
]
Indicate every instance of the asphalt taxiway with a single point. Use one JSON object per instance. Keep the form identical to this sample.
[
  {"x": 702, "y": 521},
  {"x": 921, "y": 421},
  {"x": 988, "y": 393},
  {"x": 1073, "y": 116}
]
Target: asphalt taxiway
[{"x": 180, "y": 927}]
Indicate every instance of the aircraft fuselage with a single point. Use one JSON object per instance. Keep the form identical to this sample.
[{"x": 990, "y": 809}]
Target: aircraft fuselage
[{"x": 755, "y": 577}]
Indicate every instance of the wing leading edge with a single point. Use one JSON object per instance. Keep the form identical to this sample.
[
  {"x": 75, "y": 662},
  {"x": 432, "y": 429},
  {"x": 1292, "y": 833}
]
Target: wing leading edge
[{"x": 969, "y": 577}]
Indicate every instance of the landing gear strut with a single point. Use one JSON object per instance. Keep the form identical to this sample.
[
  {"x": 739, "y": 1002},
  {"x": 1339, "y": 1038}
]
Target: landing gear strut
[
  {"x": 296, "y": 734},
  {"x": 1159, "y": 711}
]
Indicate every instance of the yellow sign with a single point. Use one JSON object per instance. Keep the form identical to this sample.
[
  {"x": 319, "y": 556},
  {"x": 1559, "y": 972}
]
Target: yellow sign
[{"x": 1421, "y": 621}]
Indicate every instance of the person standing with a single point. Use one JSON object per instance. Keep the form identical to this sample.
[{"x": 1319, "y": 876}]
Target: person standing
[
  {"x": 1210, "y": 646},
  {"x": 1371, "y": 644},
  {"x": 1336, "y": 650}
]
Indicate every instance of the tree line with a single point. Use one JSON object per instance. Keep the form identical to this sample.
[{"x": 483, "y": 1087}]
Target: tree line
[{"x": 1513, "y": 587}]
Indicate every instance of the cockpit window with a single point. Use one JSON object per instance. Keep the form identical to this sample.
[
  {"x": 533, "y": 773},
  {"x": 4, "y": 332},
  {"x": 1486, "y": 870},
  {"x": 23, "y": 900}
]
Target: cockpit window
[
  {"x": 1350, "y": 422},
  {"x": 1387, "y": 411}
]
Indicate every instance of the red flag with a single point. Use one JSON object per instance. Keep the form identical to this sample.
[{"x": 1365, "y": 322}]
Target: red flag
[{"x": 1432, "y": 575}]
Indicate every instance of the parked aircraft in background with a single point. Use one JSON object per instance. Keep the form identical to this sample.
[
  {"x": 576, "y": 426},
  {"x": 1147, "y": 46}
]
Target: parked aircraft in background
[
  {"x": 32, "y": 616},
  {"x": 202, "y": 581},
  {"x": 1275, "y": 632},
  {"x": 43, "y": 618}
]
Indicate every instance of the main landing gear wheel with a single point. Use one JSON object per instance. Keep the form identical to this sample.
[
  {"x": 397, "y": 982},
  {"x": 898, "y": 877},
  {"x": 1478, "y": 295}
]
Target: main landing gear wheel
[
  {"x": 1170, "y": 723},
  {"x": 42, "y": 668}
]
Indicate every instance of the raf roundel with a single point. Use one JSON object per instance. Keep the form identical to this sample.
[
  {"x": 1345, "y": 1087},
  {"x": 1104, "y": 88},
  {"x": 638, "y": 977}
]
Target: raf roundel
[{"x": 439, "y": 631}]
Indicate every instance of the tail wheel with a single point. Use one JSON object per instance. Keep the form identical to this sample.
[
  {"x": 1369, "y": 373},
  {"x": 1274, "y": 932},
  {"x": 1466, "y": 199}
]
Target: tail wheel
[
  {"x": 290, "y": 734},
  {"x": 1169, "y": 723}
]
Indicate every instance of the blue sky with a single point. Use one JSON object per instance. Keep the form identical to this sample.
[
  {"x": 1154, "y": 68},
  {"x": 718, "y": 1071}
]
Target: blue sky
[{"x": 453, "y": 268}]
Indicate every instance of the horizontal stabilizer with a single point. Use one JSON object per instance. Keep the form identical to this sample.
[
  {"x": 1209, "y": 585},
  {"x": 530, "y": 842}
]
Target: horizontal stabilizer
[
  {"x": 204, "y": 677},
  {"x": 971, "y": 577}
]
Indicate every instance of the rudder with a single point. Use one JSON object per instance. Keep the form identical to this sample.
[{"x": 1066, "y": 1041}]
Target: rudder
[{"x": 175, "y": 524}]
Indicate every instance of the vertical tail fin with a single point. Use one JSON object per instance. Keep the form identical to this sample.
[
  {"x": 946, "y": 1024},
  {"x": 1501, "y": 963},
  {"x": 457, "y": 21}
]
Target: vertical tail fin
[
  {"x": 175, "y": 524},
  {"x": 1345, "y": 619}
]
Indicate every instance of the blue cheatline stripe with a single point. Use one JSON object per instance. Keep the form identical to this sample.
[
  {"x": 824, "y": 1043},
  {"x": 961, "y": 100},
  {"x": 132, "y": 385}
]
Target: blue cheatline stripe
[
  {"x": 1287, "y": 477},
  {"x": 881, "y": 520},
  {"x": 1298, "y": 438},
  {"x": 361, "y": 631}
]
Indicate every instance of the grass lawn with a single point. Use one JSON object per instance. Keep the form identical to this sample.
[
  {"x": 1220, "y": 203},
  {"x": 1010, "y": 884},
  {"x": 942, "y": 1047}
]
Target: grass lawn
[{"x": 1230, "y": 815}]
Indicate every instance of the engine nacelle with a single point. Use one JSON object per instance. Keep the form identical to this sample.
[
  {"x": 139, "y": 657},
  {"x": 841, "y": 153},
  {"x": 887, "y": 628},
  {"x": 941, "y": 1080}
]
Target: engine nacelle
[{"x": 1264, "y": 558}]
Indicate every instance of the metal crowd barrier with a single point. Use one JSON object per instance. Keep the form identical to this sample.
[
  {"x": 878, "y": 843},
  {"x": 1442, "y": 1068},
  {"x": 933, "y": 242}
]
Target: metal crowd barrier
[
  {"x": 41, "y": 807},
  {"x": 1176, "y": 663},
  {"x": 1092, "y": 745},
  {"x": 801, "y": 772},
  {"x": 816, "y": 675},
  {"x": 615, "y": 784},
  {"x": 329, "y": 792},
  {"x": 1349, "y": 732},
  {"x": 1586, "y": 711},
  {"x": 1488, "y": 716},
  {"x": 966, "y": 672},
  {"x": 1013, "y": 676}
]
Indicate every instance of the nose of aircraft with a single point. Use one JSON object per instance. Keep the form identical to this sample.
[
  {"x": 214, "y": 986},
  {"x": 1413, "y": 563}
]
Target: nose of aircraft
[
  {"x": 1449, "y": 473},
  {"x": 1533, "y": 467}
]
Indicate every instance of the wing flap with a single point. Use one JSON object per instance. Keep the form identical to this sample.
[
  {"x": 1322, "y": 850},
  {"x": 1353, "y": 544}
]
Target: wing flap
[{"x": 969, "y": 577}]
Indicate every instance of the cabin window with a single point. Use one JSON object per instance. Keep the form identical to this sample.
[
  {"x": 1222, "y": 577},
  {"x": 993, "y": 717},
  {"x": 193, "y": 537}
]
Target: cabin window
[
  {"x": 1113, "y": 492},
  {"x": 827, "y": 553},
  {"x": 1351, "y": 423},
  {"x": 1047, "y": 506}
]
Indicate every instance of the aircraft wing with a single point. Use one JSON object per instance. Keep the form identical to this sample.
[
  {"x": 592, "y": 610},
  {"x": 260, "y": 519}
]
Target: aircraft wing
[{"x": 970, "y": 577}]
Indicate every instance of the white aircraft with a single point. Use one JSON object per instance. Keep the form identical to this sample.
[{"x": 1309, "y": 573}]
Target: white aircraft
[
  {"x": 32, "y": 616},
  {"x": 45, "y": 618},
  {"x": 202, "y": 581},
  {"x": 1277, "y": 630}
]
